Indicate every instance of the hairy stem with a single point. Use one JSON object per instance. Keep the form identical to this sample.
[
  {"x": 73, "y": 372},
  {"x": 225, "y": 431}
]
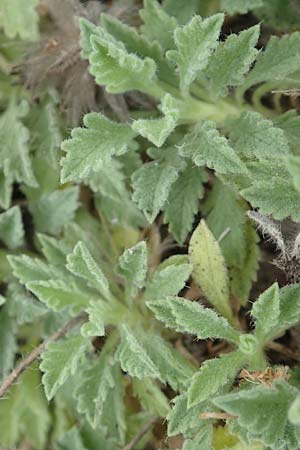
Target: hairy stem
[{"x": 19, "y": 369}]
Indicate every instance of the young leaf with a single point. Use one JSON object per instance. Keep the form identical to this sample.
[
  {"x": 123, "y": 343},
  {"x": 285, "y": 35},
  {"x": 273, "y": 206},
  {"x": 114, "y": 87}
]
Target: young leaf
[
  {"x": 289, "y": 306},
  {"x": 133, "y": 265},
  {"x": 256, "y": 137},
  {"x": 266, "y": 312},
  {"x": 28, "y": 269},
  {"x": 59, "y": 295},
  {"x": 206, "y": 147},
  {"x": 118, "y": 70},
  {"x": 22, "y": 306},
  {"x": 52, "y": 211},
  {"x": 158, "y": 25},
  {"x": 92, "y": 147},
  {"x": 20, "y": 19},
  {"x": 59, "y": 361},
  {"x": 242, "y": 276},
  {"x": 232, "y": 60},
  {"x": 96, "y": 383},
  {"x": 133, "y": 357},
  {"x": 15, "y": 160},
  {"x": 11, "y": 228},
  {"x": 280, "y": 58},
  {"x": 182, "y": 203},
  {"x": 54, "y": 250},
  {"x": 261, "y": 411},
  {"x": 209, "y": 268},
  {"x": 24, "y": 413},
  {"x": 203, "y": 439},
  {"x": 71, "y": 440},
  {"x": 158, "y": 130},
  {"x": 213, "y": 375},
  {"x": 82, "y": 264},
  {"x": 152, "y": 184},
  {"x": 195, "y": 42},
  {"x": 182, "y": 419},
  {"x": 167, "y": 281},
  {"x": 151, "y": 397},
  {"x": 191, "y": 317}
]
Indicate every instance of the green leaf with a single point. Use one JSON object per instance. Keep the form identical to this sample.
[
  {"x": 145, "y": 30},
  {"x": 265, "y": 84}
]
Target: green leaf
[
  {"x": 114, "y": 198},
  {"x": 174, "y": 369},
  {"x": 92, "y": 147},
  {"x": 289, "y": 306},
  {"x": 54, "y": 250},
  {"x": 59, "y": 361},
  {"x": 133, "y": 357},
  {"x": 289, "y": 122},
  {"x": 182, "y": 203},
  {"x": 240, "y": 6},
  {"x": 280, "y": 58},
  {"x": 151, "y": 397},
  {"x": 133, "y": 266},
  {"x": 71, "y": 440},
  {"x": 206, "y": 147},
  {"x": 24, "y": 413},
  {"x": 242, "y": 276},
  {"x": 262, "y": 411},
  {"x": 8, "y": 343},
  {"x": 227, "y": 219},
  {"x": 28, "y": 269},
  {"x": 203, "y": 440},
  {"x": 294, "y": 411},
  {"x": 52, "y": 211},
  {"x": 11, "y": 228},
  {"x": 59, "y": 295},
  {"x": 152, "y": 184},
  {"x": 97, "y": 382},
  {"x": 82, "y": 264},
  {"x": 231, "y": 60},
  {"x": 158, "y": 25},
  {"x": 118, "y": 70},
  {"x": 275, "y": 196},
  {"x": 195, "y": 42},
  {"x": 209, "y": 269},
  {"x": 182, "y": 419},
  {"x": 158, "y": 130},
  {"x": 167, "y": 280},
  {"x": 19, "y": 19},
  {"x": 256, "y": 137},
  {"x": 14, "y": 136},
  {"x": 191, "y": 317},
  {"x": 266, "y": 312},
  {"x": 213, "y": 375},
  {"x": 293, "y": 166},
  {"x": 182, "y": 10},
  {"x": 22, "y": 306}
]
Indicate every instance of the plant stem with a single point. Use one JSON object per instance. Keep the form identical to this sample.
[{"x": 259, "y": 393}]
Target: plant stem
[{"x": 19, "y": 369}]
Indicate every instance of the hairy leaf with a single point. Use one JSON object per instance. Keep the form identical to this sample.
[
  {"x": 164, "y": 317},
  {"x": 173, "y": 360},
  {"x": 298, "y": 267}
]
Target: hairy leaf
[
  {"x": 209, "y": 268},
  {"x": 262, "y": 411},
  {"x": 11, "y": 228},
  {"x": 206, "y": 147},
  {"x": 266, "y": 311},
  {"x": 92, "y": 147},
  {"x": 191, "y": 317},
  {"x": 19, "y": 19},
  {"x": 195, "y": 42},
  {"x": 82, "y": 264},
  {"x": 231, "y": 60},
  {"x": 240, "y": 6},
  {"x": 213, "y": 375},
  {"x": 133, "y": 265},
  {"x": 59, "y": 361}
]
